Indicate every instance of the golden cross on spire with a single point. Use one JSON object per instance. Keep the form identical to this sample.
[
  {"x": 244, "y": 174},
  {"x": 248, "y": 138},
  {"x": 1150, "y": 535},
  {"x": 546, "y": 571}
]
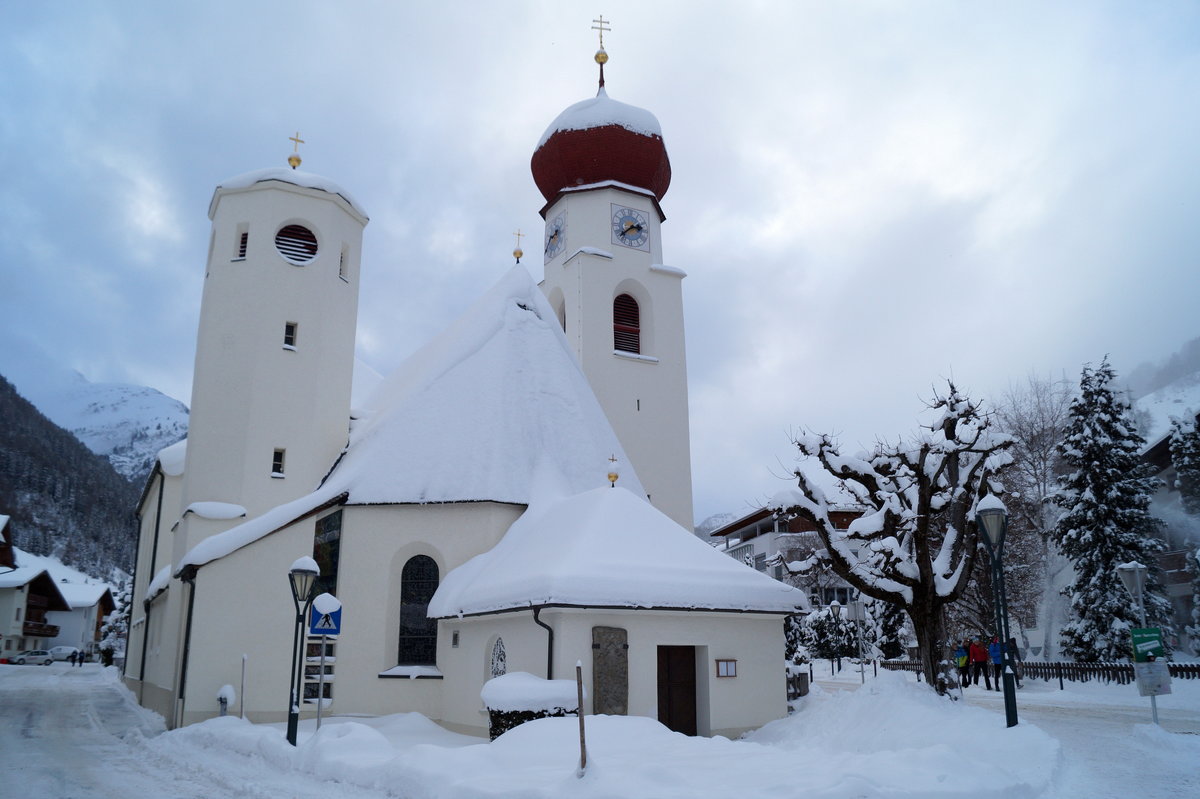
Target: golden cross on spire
[
  {"x": 294, "y": 158},
  {"x": 600, "y": 26},
  {"x": 518, "y": 252}
]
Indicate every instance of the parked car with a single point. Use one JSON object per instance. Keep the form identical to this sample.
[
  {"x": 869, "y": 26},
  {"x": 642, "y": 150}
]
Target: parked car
[
  {"x": 38, "y": 657},
  {"x": 63, "y": 652}
]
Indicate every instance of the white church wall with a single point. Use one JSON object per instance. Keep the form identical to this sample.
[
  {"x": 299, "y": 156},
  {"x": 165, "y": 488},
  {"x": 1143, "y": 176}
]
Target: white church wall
[
  {"x": 253, "y": 393},
  {"x": 377, "y": 541},
  {"x": 643, "y": 395}
]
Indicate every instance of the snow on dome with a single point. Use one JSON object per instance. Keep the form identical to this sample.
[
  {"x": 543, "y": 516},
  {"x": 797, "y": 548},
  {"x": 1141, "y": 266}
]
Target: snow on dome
[
  {"x": 305, "y": 564},
  {"x": 497, "y": 398},
  {"x": 287, "y": 175},
  {"x": 606, "y": 547},
  {"x": 171, "y": 459},
  {"x": 601, "y": 110},
  {"x": 598, "y": 141}
]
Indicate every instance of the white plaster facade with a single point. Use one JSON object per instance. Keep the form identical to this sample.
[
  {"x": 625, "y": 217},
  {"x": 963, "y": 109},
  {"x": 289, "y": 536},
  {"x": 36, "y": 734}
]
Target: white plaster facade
[{"x": 644, "y": 396}]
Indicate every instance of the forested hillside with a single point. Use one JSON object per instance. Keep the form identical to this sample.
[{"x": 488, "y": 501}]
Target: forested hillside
[{"x": 62, "y": 498}]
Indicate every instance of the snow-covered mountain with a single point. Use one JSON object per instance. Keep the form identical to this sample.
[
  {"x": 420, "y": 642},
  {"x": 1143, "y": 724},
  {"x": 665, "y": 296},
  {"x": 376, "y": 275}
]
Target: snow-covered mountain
[
  {"x": 125, "y": 423},
  {"x": 1179, "y": 399}
]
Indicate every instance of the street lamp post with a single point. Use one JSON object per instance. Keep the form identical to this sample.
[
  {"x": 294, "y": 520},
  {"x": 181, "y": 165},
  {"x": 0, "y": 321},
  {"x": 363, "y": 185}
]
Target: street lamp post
[
  {"x": 835, "y": 608},
  {"x": 859, "y": 617},
  {"x": 1133, "y": 577},
  {"x": 992, "y": 518},
  {"x": 303, "y": 577}
]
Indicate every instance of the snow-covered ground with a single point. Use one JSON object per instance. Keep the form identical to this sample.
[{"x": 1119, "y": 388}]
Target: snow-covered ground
[{"x": 78, "y": 733}]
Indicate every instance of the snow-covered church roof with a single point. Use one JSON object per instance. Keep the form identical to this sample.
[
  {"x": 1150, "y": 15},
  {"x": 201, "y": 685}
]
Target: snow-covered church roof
[
  {"x": 287, "y": 175},
  {"x": 605, "y": 548},
  {"x": 601, "y": 110},
  {"x": 472, "y": 416}
]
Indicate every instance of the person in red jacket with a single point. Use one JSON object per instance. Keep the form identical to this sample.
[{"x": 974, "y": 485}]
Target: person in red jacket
[{"x": 979, "y": 663}]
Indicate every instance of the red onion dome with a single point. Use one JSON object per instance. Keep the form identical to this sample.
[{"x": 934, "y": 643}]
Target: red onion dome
[{"x": 600, "y": 140}]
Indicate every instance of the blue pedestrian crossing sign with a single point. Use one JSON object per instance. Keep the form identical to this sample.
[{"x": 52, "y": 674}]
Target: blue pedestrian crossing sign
[{"x": 326, "y": 618}]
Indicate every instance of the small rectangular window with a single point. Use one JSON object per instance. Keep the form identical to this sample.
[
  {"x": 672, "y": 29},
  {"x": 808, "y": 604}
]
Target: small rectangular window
[
  {"x": 289, "y": 334},
  {"x": 277, "y": 463},
  {"x": 454, "y": 639},
  {"x": 240, "y": 242},
  {"x": 342, "y": 265},
  {"x": 726, "y": 668}
]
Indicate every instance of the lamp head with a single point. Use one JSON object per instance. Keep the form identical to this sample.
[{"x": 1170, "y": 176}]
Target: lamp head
[
  {"x": 992, "y": 518},
  {"x": 835, "y": 608},
  {"x": 1133, "y": 577},
  {"x": 303, "y": 576}
]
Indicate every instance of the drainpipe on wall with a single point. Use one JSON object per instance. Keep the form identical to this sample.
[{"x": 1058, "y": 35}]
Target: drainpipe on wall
[{"x": 549, "y": 642}]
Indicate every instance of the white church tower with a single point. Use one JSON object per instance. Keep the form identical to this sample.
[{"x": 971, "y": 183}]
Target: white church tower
[
  {"x": 603, "y": 168},
  {"x": 275, "y": 349}
]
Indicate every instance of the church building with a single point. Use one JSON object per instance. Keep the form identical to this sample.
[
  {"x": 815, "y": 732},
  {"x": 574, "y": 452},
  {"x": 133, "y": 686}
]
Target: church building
[{"x": 515, "y": 497}]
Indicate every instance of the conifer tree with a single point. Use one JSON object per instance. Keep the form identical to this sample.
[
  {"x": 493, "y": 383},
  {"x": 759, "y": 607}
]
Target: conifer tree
[
  {"x": 1106, "y": 522},
  {"x": 1185, "y": 457}
]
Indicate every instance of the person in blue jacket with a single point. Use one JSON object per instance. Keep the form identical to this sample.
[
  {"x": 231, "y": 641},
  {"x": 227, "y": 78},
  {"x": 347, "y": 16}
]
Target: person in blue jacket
[{"x": 996, "y": 653}]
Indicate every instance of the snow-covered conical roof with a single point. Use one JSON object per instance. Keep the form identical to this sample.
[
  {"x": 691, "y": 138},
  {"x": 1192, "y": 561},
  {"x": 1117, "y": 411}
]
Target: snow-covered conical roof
[
  {"x": 494, "y": 401},
  {"x": 606, "y": 547},
  {"x": 599, "y": 140}
]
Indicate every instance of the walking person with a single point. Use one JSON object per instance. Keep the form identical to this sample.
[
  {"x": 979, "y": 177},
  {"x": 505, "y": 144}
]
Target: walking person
[
  {"x": 996, "y": 655},
  {"x": 964, "y": 666},
  {"x": 72, "y": 658},
  {"x": 979, "y": 663}
]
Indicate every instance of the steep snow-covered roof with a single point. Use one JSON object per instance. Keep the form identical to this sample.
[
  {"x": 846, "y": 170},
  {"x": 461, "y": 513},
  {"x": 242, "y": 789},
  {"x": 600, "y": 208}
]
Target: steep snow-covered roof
[
  {"x": 601, "y": 110},
  {"x": 287, "y": 175},
  {"x": 472, "y": 416},
  {"x": 171, "y": 459},
  {"x": 605, "y": 547}
]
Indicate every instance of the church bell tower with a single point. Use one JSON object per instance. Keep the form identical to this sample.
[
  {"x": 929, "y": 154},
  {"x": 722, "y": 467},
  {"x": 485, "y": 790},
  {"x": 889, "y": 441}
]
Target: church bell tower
[
  {"x": 275, "y": 348},
  {"x": 603, "y": 169}
]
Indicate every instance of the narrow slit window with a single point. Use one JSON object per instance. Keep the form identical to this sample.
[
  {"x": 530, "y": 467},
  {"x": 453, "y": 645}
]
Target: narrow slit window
[
  {"x": 277, "y": 463},
  {"x": 289, "y": 334},
  {"x": 627, "y": 333},
  {"x": 241, "y": 242},
  {"x": 342, "y": 265}
]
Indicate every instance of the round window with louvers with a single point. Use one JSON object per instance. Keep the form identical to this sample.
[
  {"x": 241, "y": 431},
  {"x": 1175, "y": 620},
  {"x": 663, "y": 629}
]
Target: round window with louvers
[{"x": 296, "y": 243}]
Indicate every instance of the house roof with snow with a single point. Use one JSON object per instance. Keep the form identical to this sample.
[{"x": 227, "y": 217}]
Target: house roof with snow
[
  {"x": 74, "y": 588},
  {"x": 468, "y": 418},
  {"x": 606, "y": 548}
]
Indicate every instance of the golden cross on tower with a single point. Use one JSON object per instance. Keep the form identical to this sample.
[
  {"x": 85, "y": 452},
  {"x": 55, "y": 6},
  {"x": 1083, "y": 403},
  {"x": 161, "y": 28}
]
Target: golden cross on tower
[
  {"x": 294, "y": 158},
  {"x": 600, "y": 26},
  {"x": 518, "y": 252},
  {"x": 612, "y": 471}
]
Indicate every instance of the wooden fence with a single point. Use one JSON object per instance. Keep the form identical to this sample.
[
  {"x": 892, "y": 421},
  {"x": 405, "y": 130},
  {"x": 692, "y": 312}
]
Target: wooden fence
[{"x": 1121, "y": 673}]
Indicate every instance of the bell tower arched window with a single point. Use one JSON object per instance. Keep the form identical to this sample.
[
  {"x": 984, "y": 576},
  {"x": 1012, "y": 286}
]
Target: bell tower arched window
[
  {"x": 418, "y": 632},
  {"x": 627, "y": 335}
]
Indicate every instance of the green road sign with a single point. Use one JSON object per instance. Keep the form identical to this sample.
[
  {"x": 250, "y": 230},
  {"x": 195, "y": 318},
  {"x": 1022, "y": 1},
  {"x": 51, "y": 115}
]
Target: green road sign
[{"x": 1147, "y": 644}]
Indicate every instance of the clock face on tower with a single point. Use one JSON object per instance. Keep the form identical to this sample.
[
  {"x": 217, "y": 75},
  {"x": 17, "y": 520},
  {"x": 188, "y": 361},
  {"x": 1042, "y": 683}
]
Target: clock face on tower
[
  {"x": 630, "y": 228},
  {"x": 556, "y": 236}
]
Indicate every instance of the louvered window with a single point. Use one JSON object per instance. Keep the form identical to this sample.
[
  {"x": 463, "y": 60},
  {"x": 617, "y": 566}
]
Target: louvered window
[
  {"x": 296, "y": 243},
  {"x": 627, "y": 336},
  {"x": 242, "y": 242}
]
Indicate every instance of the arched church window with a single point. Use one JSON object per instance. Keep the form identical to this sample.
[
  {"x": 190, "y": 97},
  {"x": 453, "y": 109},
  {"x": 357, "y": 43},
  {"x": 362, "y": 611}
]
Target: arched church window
[
  {"x": 627, "y": 334},
  {"x": 499, "y": 665},
  {"x": 418, "y": 632},
  {"x": 296, "y": 243}
]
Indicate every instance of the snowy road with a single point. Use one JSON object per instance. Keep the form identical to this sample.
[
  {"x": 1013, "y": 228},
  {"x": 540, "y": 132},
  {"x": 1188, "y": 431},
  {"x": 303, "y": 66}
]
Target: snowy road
[
  {"x": 74, "y": 736},
  {"x": 1086, "y": 733}
]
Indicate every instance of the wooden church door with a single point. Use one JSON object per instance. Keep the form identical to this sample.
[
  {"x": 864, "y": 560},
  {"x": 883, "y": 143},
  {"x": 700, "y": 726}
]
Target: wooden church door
[{"x": 677, "y": 688}]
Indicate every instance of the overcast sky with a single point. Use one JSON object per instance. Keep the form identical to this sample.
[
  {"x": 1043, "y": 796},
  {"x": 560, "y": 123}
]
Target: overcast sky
[{"x": 868, "y": 197}]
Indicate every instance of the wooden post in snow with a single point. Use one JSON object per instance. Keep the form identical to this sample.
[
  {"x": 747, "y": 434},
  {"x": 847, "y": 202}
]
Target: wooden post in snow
[{"x": 579, "y": 712}]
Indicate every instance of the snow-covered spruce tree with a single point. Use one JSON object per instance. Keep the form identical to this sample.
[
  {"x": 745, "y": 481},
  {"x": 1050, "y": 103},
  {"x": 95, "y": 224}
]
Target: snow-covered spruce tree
[
  {"x": 1185, "y": 457},
  {"x": 1106, "y": 522},
  {"x": 885, "y": 622},
  {"x": 116, "y": 624},
  {"x": 1193, "y": 629},
  {"x": 916, "y": 542}
]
